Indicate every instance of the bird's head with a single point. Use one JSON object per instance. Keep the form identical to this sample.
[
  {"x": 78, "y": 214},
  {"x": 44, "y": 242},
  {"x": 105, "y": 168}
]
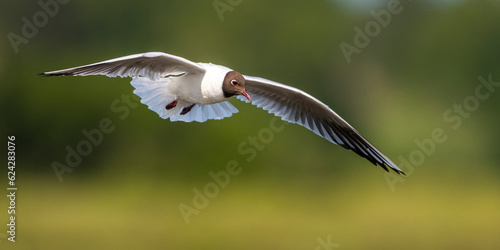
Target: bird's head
[{"x": 234, "y": 84}]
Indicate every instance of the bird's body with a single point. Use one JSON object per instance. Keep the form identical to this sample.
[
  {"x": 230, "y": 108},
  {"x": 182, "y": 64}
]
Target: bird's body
[
  {"x": 181, "y": 90},
  {"x": 206, "y": 90}
]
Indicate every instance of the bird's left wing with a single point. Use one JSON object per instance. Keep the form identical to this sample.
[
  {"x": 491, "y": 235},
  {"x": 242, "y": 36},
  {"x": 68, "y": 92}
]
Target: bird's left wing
[
  {"x": 296, "y": 106},
  {"x": 151, "y": 64}
]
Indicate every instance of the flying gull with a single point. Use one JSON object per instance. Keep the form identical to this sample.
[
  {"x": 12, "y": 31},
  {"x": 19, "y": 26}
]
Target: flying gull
[{"x": 180, "y": 90}]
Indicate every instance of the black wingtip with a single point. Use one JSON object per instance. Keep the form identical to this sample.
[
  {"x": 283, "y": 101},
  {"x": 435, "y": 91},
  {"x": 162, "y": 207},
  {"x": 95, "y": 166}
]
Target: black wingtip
[
  {"x": 398, "y": 171},
  {"x": 45, "y": 74},
  {"x": 387, "y": 167},
  {"x": 401, "y": 171}
]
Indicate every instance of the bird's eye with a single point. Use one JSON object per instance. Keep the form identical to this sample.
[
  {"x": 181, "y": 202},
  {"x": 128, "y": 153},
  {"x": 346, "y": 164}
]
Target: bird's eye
[{"x": 234, "y": 82}]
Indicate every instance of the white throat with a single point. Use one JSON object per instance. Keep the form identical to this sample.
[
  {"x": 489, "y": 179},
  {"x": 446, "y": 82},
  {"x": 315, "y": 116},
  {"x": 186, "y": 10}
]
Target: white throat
[{"x": 211, "y": 85}]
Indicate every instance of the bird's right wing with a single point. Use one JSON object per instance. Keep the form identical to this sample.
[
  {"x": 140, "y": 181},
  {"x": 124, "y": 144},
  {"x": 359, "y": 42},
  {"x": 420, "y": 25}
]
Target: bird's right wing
[
  {"x": 153, "y": 65},
  {"x": 294, "y": 105}
]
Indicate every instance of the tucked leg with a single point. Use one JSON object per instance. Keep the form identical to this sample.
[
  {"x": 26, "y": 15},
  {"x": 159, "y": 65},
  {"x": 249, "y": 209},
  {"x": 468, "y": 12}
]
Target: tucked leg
[
  {"x": 171, "y": 105},
  {"x": 185, "y": 110}
]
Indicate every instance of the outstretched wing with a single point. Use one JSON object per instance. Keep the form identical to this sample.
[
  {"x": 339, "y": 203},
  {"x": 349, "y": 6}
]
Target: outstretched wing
[
  {"x": 153, "y": 65},
  {"x": 296, "y": 106}
]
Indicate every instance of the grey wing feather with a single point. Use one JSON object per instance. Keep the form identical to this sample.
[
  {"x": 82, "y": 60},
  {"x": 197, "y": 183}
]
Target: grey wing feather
[
  {"x": 152, "y": 65},
  {"x": 296, "y": 106}
]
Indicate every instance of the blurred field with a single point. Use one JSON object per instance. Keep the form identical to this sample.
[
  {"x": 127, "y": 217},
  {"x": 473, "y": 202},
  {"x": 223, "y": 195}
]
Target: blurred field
[
  {"x": 260, "y": 214},
  {"x": 419, "y": 74}
]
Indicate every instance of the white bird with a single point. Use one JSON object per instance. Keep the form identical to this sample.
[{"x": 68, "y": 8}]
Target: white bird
[{"x": 182, "y": 90}]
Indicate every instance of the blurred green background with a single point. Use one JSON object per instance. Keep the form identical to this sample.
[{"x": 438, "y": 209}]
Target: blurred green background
[{"x": 417, "y": 75}]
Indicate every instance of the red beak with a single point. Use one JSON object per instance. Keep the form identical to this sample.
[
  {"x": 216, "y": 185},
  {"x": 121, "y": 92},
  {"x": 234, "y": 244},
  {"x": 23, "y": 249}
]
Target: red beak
[{"x": 245, "y": 94}]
